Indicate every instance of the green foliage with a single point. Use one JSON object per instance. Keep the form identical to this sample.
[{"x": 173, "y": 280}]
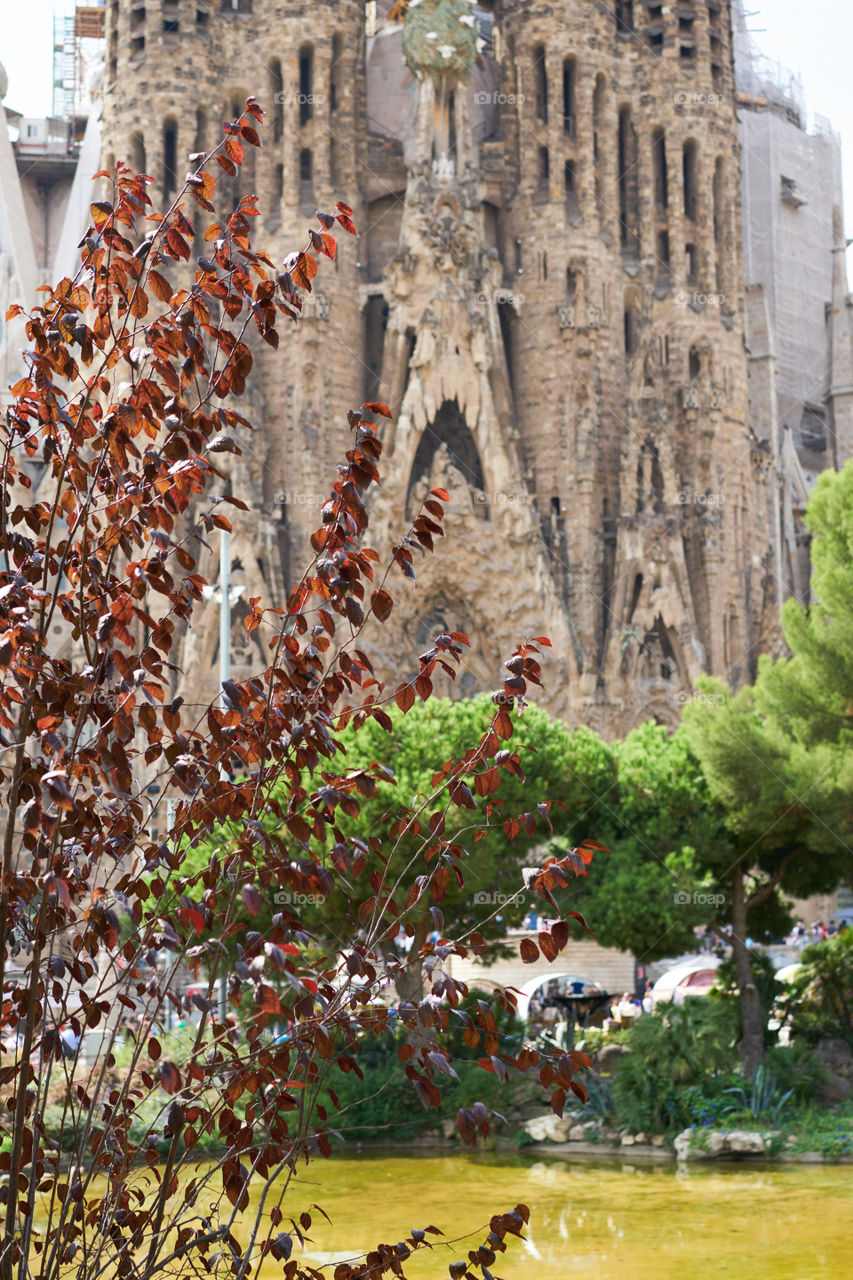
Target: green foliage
[
  {"x": 821, "y": 992},
  {"x": 798, "y": 1069},
  {"x": 769, "y": 989},
  {"x": 686, "y": 1047},
  {"x": 811, "y": 695},
  {"x": 761, "y": 1097},
  {"x": 659, "y": 822},
  {"x": 569, "y": 769},
  {"x": 828, "y": 1132}
]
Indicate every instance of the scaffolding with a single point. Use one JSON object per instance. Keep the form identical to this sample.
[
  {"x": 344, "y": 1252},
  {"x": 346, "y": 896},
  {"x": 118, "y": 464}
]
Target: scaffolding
[{"x": 78, "y": 33}]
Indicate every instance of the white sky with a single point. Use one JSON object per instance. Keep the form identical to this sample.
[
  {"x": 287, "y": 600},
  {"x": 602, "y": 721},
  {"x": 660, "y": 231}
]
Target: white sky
[{"x": 811, "y": 37}]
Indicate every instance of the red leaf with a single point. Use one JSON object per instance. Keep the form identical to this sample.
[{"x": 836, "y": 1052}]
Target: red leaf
[
  {"x": 381, "y": 604},
  {"x": 405, "y": 697},
  {"x": 576, "y": 915},
  {"x": 528, "y": 951},
  {"x": 170, "y": 1076},
  {"x": 375, "y": 406},
  {"x": 252, "y": 899}
]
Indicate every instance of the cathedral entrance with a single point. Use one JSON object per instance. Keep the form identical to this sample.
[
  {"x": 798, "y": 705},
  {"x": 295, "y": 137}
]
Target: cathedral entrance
[{"x": 447, "y": 457}]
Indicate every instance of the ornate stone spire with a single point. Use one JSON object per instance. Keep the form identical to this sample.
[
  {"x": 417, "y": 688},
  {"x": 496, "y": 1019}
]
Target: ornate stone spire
[{"x": 440, "y": 39}]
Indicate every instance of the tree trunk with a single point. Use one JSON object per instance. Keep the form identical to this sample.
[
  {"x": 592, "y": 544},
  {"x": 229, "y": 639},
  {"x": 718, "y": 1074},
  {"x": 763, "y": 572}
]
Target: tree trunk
[{"x": 751, "y": 1010}]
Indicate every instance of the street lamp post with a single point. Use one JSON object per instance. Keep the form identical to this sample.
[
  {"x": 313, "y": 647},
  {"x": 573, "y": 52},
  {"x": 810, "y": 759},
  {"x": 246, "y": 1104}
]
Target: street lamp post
[{"x": 226, "y": 596}]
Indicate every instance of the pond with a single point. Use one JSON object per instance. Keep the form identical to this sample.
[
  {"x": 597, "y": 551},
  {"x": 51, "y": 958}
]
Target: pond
[{"x": 604, "y": 1219}]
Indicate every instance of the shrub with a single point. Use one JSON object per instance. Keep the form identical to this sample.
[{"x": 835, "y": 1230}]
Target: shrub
[{"x": 820, "y": 1003}]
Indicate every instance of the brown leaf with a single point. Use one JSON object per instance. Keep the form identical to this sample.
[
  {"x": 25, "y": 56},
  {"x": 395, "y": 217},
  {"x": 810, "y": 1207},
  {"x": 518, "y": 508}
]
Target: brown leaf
[
  {"x": 528, "y": 951},
  {"x": 170, "y": 1076},
  {"x": 381, "y": 604}
]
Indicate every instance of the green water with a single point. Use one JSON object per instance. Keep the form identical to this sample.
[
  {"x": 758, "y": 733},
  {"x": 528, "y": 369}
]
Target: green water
[{"x": 599, "y": 1219}]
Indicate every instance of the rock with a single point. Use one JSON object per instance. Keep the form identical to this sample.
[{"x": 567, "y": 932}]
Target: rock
[
  {"x": 547, "y": 1128},
  {"x": 448, "y": 1128},
  {"x": 837, "y": 1056},
  {"x": 610, "y": 1055},
  {"x": 682, "y": 1144},
  {"x": 835, "y": 1088},
  {"x": 577, "y": 1133},
  {"x": 640, "y": 1138},
  {"x": 734, "y": 1142},
  {"x": 657, "y": 1139},
  {"x": 628, "y": 1139}
]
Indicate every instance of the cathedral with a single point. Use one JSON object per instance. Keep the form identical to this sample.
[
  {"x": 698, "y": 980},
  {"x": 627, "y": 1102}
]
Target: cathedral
[{"x": 547, "y": 289}]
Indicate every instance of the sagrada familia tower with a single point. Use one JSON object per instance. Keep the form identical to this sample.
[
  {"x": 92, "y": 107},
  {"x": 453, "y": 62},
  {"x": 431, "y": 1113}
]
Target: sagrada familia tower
[{"x": 547, "y": 289}]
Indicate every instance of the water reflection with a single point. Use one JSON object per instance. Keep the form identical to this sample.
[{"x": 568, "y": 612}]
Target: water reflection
[{"x": 622, "y": 1220}]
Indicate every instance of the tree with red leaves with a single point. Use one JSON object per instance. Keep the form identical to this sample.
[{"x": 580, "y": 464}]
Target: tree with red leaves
[{"x": 128, "y": 399}]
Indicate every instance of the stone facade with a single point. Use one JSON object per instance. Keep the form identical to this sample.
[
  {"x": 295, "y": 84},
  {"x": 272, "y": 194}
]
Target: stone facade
[{"x": 546, "y": 289}]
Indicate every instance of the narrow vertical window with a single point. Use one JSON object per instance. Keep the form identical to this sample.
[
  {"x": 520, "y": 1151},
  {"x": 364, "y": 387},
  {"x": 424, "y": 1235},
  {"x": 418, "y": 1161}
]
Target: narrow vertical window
[
  {"x": 170, "y": 158},
  {"x": 306, "y": 84},
  {"x": 569, "y": 67},
  {"x": 540, "y": 74},
  {"x": 689, "y": 169}
]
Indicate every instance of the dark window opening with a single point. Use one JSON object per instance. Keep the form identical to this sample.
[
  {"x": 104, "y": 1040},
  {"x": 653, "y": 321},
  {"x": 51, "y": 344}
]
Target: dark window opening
[
  {"x": 687, "y": 52},
  {"x": 541, "y": 80},
  {"x": 689, "y": 166},
  {"x": 571, "y": 285},
  {"x": 170, "y": 158},
  {"x": 137, "y": 152},
  {"x": 572, "y": 206},
  {"x": 629, "y": 324},
  {"x": 661, "y": 178},
  {"x": 335, "y": 73},
  {"x": 171, "y": 26},
  {"x": 201, "y": 17},
  {"x": 279, "y": 182},
  {"x": 663, "y": 250},
  {"x": 306, "y": 167},
  {"x": 277, "y": 95},
  {"x": 137, "y": 44},
  {"x": 449, "y": 431},
  {"x": 628, "y": 184},
  {"x": 375, "y": 327},
  {"x": 694, "y": 364},
  {"x": 411, "y": 343},
  {"x": 624, "y": 17},
  {"x": 306, "y": 85},
  {"x": 597, "y": 124},
  {"x": 569, "y": 97},
  {"x": 543, "y": 171}
]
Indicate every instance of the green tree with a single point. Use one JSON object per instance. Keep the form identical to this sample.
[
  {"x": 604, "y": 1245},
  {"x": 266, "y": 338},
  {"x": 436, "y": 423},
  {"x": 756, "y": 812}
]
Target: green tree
[
  {"x": 777, "y": 756},
  {"x": 661, "y": 825},
  {"x": 572, "y": 771}
]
